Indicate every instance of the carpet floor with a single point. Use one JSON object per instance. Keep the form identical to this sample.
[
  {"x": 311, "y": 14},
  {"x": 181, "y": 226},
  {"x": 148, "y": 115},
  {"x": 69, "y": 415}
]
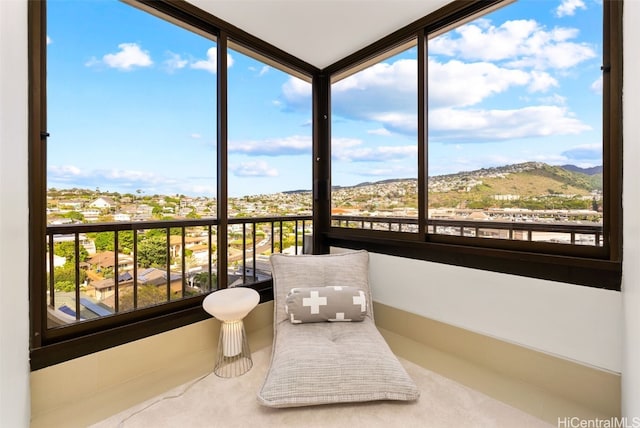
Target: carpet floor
[{"x": 214, "y": 402}]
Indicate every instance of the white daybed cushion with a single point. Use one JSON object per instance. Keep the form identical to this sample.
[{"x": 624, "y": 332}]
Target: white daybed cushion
[{"x": 322, "y": 363}]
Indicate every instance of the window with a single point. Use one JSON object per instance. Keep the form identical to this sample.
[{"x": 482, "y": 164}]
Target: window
[
  {"x": 269, "y": 164},
  {"x": 374, "y": 145},
  {"x": 142, "y": 150},
  {"x": 515, "y": 125},
  {"x": 168, "y": 113},
  {"x": 518, "y": 130},
  {"x": 132, "y": 139}
]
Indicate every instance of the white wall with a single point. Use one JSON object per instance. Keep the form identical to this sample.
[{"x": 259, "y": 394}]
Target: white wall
[
  {"x": 631, "y": 204},
  {"x": 574, "y": 322},
  {"x": 14, "y": 311}
]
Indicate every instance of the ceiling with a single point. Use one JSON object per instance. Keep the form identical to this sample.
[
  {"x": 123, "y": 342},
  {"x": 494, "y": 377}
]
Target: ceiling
[{"x": 319, "y": 32}]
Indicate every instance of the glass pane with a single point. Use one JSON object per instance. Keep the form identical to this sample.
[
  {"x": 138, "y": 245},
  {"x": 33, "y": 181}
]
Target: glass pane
[
  {"x": 374, "y": 146},
  {"x": 131, "y": 113},
  {"x": 270, "y": 140},
  {"x": 131, "y": 109},
  {"x": 515, "y": 125},
  {"x": 270, "y": 164}
]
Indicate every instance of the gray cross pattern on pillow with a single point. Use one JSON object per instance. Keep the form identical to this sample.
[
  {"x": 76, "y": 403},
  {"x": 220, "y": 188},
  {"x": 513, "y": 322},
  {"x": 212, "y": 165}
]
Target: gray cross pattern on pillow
[{"x": 330, "y": 303}]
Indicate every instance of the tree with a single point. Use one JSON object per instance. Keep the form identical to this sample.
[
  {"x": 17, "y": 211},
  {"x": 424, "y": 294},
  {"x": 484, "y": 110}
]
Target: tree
[
  {"x": 155, "y": 233},
  {"x": 152, "y": 252},
  {"x": 74, "y": 215},
  {"x": 64, "y": 277},
  {"x": 104, "y": 241},
  {"x": 148, "y": 295},
  {"x": 67, "y": 250},
  {"x": 204, "y": 282},
  {"x": 125, "y": 241}
]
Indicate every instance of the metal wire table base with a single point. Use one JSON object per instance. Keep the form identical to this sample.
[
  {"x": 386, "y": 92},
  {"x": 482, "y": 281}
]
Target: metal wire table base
[{"x": 233, "y": 356}]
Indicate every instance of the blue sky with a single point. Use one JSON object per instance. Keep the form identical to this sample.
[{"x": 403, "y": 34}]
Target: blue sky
[{"x": 131, "y": 103}]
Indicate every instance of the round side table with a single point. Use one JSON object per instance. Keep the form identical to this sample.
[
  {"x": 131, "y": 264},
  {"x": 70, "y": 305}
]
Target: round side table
[{"x": 230, "y": 306}]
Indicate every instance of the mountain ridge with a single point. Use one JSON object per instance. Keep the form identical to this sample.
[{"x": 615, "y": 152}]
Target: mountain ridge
[{"x": 492, "y": 172}]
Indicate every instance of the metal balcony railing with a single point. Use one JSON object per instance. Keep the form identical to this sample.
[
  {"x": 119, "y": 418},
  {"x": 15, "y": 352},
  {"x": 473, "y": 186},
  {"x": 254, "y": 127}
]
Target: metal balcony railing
[
  {"x": 558, "y": 232},
  {"x": 152, "y": 263},
  {"x": 143, "y": 264}
]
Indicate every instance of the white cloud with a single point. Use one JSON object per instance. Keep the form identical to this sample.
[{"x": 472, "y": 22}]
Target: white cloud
[
  {"x": 254, "y": 169},
  {"x": 554, "y": 99},
  {"x": 541, "y": 81},
  {"x": 400, "y": 122},
  {"x": 264, "y": 70},
  {"x": 596, "y": 86},
  {"x": 344, "y": 143},
  {"x": 568, "y": 7},
  {"x": 456, "y": 83},
  {"x": 297, "y": 93},
  {"x": 196, "y": 136},
  {"x": 463, "y": 126},
  {"x": 103, "y": 178},
  {"x": 293, "y": 145},
  {"x": 384, "y": 92},
  {"x": 121, "y": 180},
  {"x": 354, "y": 150},
  {"x": 211, "y": 63},
  {"x": 489, "y": 63},
  {"x": 481, "y": 40},
  {"x": 64, "y": 170},
  {"x": 49, "y": 41},
  {"x": 174, "y": 62},
  {"x": 521, "y": 43},
  {"x": 127, "y": 58},
  {"x": 380, "y": 131}
]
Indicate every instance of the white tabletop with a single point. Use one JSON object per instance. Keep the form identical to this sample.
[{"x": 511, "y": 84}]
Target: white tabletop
[{"x": 231, "y": 304}]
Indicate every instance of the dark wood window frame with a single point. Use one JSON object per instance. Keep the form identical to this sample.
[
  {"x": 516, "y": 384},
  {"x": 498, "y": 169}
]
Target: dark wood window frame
[
  {"x": 52, "y": 346},
  {"x": 599, "y": 267},
  {"x": 537, "y": 261}
]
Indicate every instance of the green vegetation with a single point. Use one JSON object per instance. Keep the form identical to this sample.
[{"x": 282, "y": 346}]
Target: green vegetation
[
  {"x": 65, "y": 277},
  {"x": 536, "y": 187},
  {"x": 148, "y": 295},
  {"x": 68, "y": 251},
  {"x": 204, "y": 282},
  {"x": 152, "y": 252}
]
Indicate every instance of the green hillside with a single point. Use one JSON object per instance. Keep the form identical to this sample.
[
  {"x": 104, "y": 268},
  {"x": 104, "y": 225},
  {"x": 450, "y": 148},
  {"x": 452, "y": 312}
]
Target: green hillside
[{"x": 530, "y": 185}]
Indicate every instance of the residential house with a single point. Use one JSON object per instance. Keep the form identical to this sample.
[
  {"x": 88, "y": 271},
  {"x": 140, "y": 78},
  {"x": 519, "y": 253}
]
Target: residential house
[
  {"x": 104, "y": 203},
  {"x": 107, "y": 260}
]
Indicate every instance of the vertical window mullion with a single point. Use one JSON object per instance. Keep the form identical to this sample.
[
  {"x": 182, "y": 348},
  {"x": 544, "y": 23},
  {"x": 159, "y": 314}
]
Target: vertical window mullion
[
  {"x": 76, "y": 252},
  {"x": 611, "y": 126},
  {"x": 222, "y": 160},
  {"x": 135, "y": 269},
  {"x": 37, "y": 171},
  {"x": 116, "y": 279},
  {"x": 184, "y": 263},
  {"x": 423, "y": 165},
  {"x": 168, "y": 261}
]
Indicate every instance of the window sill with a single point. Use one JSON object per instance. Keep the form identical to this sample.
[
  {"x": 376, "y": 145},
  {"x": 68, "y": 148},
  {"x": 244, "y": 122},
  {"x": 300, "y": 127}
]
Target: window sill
[
  {"x": 109, "y": 337},
  {"x": 586, "y": 271}
]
